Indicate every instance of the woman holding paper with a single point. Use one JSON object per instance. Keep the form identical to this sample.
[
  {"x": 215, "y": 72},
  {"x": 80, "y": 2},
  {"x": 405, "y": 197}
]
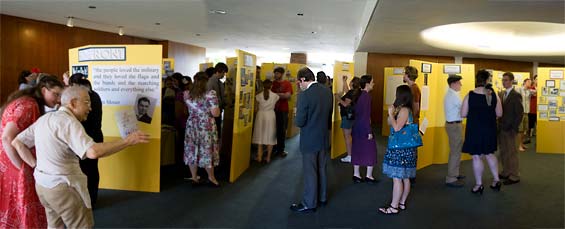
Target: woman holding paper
[{"x": 201, "y": 148}]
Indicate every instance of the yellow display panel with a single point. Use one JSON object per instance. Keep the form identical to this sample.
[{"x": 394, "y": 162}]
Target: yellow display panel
[
  {"x": 550, "y": 129},
  {"x": 393, "y": 78},
  {"x": 136, "y": 168},
  {"x": 203, "y": 66},
  {"x": 243, "y": 117},
  {"x": 341, "y": 69}
]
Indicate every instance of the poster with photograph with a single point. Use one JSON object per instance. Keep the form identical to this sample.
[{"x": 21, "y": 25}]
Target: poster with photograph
[
  {"x": 550, "y": 83},
  {"x": 562, "y": 110},
  {"x": 543, "y": 115},
  {"x": 562, "y": 85},
  {"x": 80, "y": 69},
  {"x": 552, "y": 103},
  {"x": 544, "y": 91},
  {"x": 144, "y": 108},
  {"x": 554, "y": 91},
  {"x": 556, "y": 74},
  {"x": 552, "y": 112},
  {"x": 127, "y": 122}
]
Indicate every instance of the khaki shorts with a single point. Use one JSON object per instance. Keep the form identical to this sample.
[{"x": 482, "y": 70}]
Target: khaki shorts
[
  {"x": 524, "y": 124},
  {"x": 63, "y": 205}
]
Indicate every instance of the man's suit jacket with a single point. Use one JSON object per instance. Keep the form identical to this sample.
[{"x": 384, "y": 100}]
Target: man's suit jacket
[
  {"x": 145, "y": 118},
  {"x": 313, "y": 117},
  {"x": 512, "y": 111}
]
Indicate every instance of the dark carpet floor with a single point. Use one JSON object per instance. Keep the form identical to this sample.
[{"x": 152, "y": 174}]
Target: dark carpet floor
[{"x": 262, "y": 195}]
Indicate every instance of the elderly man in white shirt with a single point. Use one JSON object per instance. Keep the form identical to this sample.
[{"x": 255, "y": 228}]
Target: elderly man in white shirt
[
  {"x": 59, "y": 138},
  {"x": 453, "y": 127}
]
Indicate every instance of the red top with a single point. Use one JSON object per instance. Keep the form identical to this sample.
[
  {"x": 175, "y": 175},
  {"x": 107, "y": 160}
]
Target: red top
[
  {"x": 282, "y": 86},
  {"x": 19, "y": 205},
  {"x": 533, "y": 102}
]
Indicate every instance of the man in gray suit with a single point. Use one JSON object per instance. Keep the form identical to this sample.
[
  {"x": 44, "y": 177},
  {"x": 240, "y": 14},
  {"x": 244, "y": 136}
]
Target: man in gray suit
[
  {"x": 512, "y": 111},
  {"x": 313, "y": 116}
]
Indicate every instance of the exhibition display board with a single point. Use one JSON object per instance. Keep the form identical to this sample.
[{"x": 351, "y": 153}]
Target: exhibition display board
[
  {"x": 341, "y": 70},
  {"x": 126, "y": 76},
  {"x": 203, "y": 66},
  {"x": 291, "y": 70},
  {"x": 550, "y": 130},
  {"x": 432, "y": 81},
  {"x": 519, "y": 78},
  {"x": 243, "y": 113}
]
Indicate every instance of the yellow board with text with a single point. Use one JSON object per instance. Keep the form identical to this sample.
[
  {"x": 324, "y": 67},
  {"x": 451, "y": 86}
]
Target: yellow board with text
[
  {"x": 121, "y": 75},
  {"x": 550, "y": 130},
  {"x": 342, "y": 70}
]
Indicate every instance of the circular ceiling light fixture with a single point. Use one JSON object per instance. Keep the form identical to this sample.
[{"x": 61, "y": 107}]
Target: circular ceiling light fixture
[{"x": 499, "y": 38}]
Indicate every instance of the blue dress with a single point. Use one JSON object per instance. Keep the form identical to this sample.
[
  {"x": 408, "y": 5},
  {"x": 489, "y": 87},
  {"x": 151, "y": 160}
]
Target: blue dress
[
  {"x": 400, "y": 163},
  {"x": 480, "y": 133}
]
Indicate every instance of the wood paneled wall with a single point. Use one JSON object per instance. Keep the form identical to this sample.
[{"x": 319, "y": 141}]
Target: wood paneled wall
[
  {"x": 28, "y": 43},
  {"x": 501, "y": 65},
  {"x": 187, "y": 57},
  {"x": 376, "y": 62}
]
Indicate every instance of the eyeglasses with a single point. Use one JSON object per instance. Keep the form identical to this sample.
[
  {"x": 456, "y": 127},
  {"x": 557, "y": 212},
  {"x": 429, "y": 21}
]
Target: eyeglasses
[{"x": 56, "y": 94}]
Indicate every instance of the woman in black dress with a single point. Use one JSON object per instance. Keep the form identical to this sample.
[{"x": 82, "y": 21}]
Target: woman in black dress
[{"x": 482, "y": 107}]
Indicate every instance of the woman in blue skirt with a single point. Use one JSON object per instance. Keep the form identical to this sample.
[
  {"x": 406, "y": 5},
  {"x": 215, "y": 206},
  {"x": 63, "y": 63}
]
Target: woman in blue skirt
[{"x": 400, "y": 164}]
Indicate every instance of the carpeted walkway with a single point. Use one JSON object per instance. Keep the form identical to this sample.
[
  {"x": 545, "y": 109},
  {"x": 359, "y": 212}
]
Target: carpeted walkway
[{"x": 261, "y": 198}]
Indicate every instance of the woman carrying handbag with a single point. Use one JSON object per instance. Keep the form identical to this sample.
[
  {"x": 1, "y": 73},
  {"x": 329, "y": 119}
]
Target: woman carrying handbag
[{"x": 399, "y": 161}]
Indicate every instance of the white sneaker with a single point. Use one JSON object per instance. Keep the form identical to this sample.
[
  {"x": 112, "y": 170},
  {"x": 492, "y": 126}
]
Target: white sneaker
[{"x": 346, "y": 159}]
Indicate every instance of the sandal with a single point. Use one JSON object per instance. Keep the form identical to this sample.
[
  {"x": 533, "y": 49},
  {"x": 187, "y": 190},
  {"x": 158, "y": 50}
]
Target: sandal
[
  {"x": 402, "y": 206},
  {"x": 389, "y": 210}
]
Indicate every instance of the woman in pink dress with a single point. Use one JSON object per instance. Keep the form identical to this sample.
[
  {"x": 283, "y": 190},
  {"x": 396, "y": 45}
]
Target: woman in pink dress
[{"x": 19, "y": 204}]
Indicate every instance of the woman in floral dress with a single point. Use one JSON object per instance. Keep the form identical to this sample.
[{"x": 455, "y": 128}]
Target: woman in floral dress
[
  {"x": 201, "y": 148},
  {"x": 19, "y": 205}
]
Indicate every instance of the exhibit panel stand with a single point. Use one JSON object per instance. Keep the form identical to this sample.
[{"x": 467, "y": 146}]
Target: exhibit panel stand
[
  {"x": 550, "y": 129},
  {"x": 203, "y": 66},
  {"x": 124, "y": 76},
  {"x": 243, "y": 113},
  {"x": 341, "y": 69}
]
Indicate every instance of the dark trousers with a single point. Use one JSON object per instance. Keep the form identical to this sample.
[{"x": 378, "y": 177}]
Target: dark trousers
[
  {"x": 282, "y": 123},
  {"x": 90, "y": 168},
  {"x": 315, "y": 179}
]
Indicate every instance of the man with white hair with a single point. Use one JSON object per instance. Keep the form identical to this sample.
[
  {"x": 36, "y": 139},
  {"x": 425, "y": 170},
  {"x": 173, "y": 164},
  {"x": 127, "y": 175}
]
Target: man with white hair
[{"x": 59, "y": 138}]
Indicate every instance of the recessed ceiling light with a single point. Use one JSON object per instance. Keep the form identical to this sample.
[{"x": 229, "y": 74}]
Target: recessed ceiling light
[
  {"x": 499, "y": 38},
  {"x": 300, "y": 14},
  {"x": 92, "y": 7},
  {"x": 222, "y": 12}
]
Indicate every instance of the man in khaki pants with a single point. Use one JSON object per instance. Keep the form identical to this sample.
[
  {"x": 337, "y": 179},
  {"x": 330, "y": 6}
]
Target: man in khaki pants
[
  {"x": 59, "y": 138},
  {"x": 452, "y": 108}
]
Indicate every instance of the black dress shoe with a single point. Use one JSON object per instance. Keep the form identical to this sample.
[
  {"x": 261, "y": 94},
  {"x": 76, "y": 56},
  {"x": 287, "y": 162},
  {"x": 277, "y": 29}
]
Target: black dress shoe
[
  {"x": 301, "y": 208},
  {"x": 510, "y": 181},
  {"x": 322, "y": 203},
  {"x": 460, "y": 177},
  {"x": 357, "y": 179},
  {"x": 371, "y": 180},
  {"x": 500, "y": 176}
]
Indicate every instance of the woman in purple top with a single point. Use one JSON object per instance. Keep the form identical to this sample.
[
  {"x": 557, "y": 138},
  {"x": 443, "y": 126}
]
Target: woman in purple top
[{"x": 364, "y": 148}]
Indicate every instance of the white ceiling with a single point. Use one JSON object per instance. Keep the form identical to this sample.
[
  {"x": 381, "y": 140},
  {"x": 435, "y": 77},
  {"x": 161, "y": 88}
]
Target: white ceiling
[
  {"x": 272, "y": 29},
  {"x": 267, "y": 27},
  {"x": 396, "y": 24}
]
